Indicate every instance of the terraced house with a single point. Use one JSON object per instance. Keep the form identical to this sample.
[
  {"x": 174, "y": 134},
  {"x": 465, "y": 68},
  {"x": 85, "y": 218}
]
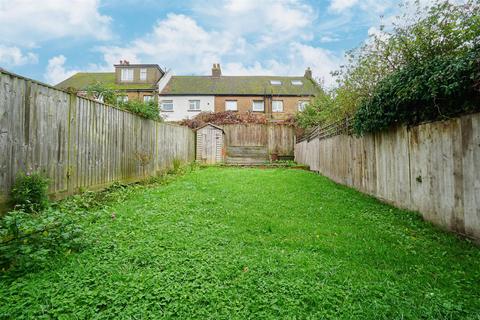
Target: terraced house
[
  {"x": 131, "y": 81},
  {"x": 275, "y": 96}
]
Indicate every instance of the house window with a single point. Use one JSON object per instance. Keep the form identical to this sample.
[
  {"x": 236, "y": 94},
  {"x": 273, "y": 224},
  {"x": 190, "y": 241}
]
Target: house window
[
  {"x": 194, "y": 105},
  {"x": 126, "y": 74},
  {"x": 166, "y": 105},
  {"x": 302, "y": 105},
  {"x": 231, "y": 105},
  {"x": 277, "y": 106},
  {"x": 297, "y": 82},
  {"x": 143, "y": 74},
  {"x": 258, "y": 105},
  {"x": 122, "y": 98},
  {"x": 147, "y": 98},
  {"x": 275, "y": 82}
]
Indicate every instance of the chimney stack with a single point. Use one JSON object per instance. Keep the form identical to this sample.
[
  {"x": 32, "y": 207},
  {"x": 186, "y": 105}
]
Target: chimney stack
[
  {"x": 308, "y": 73},
  {"x": 216, "y": 71}
]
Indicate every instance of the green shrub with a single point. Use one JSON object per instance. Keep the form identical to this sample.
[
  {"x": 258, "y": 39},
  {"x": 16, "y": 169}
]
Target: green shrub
[
  {"x": 425, "y": 91},
  {"x": 29, "y": 192},
  {"x": 28, "y": 240},
  {"x": 148, "y": 110}
]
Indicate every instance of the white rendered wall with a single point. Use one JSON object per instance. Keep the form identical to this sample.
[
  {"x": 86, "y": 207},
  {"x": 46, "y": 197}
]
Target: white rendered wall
[{"x": 181, "y": 106}]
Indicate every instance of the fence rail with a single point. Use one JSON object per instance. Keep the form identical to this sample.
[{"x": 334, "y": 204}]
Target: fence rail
[
  {"x": 79, "y": 143},
  {"x": 343, "y": 126}
]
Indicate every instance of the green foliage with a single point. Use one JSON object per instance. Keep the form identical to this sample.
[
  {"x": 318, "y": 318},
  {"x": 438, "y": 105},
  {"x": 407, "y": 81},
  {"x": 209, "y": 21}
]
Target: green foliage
[
  {"x": 324, "y": 109},
  {"x": 98, "y": 91},
  {"x": 29, "y": 240},
  {"x": 270, "y": 244},
  {"x": 148, "y": 110},
  {"x": 29, "y": 192},
  {"x": 439, "y": 88},
  {"x": 377, "y": 75}
]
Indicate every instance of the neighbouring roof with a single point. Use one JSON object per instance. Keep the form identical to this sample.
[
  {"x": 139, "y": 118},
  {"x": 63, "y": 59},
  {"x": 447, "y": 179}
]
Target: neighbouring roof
[
  {"x": 80, "y": 81},
  {"x": 239, "y": 85}
]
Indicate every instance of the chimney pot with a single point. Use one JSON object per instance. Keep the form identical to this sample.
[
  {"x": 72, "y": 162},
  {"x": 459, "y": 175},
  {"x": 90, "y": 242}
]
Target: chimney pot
[
  {"x": 216, "y": 70},
  {"x": 308, "y": 73}
]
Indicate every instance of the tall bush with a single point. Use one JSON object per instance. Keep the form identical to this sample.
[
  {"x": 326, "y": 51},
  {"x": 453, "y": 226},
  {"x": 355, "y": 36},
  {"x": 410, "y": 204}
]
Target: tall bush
[
  {"x": 423, "y": 67},
  {"x": 436, "y": 89}
]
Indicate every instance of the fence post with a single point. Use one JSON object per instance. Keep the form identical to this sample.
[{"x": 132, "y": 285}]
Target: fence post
[{"x": 71, "y": 145}]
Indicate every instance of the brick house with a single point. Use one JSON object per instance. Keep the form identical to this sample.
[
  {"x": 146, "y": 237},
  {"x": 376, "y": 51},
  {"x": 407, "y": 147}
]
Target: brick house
[
  {"x": 131, "y": 81},
  {"x": 277, "y": 97}
]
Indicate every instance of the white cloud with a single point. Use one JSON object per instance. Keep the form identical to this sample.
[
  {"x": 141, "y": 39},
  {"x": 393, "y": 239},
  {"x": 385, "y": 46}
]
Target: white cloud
[
  {"x": 327, "y": 39},
  {"x": 320, "y": 60},
  {"x": 179, "y": 42},
  {"x": 341, "y": 5},
  {"x": 56, "y": 71},
  {"x": 28, "y": 22},
  {"x": 300, "y": 56},
  {"x": 274, "y": 20},
  {"x": 13, "y": 56}
]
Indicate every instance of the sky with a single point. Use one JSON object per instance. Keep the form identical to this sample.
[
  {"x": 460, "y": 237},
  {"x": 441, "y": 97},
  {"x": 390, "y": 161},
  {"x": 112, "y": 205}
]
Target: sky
[{"x": 49, "y": 40}]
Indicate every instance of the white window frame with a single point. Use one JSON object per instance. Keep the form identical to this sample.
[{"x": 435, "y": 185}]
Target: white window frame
[
  {"x": 143, "y": 74},
  {"x": 302, "y": 104},
  {"x": 126, "y": 74},
  {"x": 147, "y": 98},
  {"x": 231, "y": 105},
  {"x": 257, "y": 109},
  {"x": 122, "y": 98},
  {"x": 275, "y": 82},
  {"x": 166, "y": 102},
  {"x": 297, "y": 82},
  {"x": 277, "y": 105},
  {"x": 193, "y": 105}
]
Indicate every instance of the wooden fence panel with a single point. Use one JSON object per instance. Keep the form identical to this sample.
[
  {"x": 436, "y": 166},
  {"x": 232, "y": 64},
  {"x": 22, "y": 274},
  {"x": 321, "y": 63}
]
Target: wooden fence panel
[
  {"x": 276, "y": 138},
  {"x": 433, "y": 168},
  {"x": 79, "y": 143}
]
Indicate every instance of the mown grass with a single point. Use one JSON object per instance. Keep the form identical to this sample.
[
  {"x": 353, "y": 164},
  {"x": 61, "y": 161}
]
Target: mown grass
[{"x": 228, "y": 243}]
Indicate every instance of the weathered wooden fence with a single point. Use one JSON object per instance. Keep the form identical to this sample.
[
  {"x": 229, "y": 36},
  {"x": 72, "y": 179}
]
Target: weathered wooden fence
[
  {"x": 433, "y": 168},
  {"x": 250, "y": 143},
  {"x": 79, "y": 143}
]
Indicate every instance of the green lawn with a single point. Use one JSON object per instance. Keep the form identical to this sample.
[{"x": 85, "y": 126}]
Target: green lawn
[{"x": 228, "y": 243}]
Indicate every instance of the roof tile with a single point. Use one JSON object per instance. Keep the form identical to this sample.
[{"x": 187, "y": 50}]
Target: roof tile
[{"x": 239, "y": 85}]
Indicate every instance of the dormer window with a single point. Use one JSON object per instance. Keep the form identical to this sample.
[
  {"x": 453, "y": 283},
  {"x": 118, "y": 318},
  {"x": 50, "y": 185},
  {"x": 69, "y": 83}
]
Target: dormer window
[
  {"x": 143, "y": 74},
  {"x": 275, "y": 82},
  {"x": 126, "y": 74},
  {"x": 297, "y": 82}
]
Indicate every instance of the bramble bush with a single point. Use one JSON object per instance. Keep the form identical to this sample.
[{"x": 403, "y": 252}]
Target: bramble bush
[{"x": 29, "y": 192}]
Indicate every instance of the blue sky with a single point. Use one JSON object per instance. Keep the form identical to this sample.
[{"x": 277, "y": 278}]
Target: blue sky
[{"x": 50, "y": 40}]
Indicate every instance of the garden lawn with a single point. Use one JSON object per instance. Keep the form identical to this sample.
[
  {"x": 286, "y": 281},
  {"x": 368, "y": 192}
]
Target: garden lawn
[{"x": 231, "y": 243}]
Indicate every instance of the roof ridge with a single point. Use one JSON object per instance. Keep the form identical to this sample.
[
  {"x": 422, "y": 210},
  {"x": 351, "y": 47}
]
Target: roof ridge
[
  {"x": 90, "y": 72},
  {"x": 226, "y": 76}
]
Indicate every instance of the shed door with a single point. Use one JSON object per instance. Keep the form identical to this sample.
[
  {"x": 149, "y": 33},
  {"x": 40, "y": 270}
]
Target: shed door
[{"x": 211, "y": 145}]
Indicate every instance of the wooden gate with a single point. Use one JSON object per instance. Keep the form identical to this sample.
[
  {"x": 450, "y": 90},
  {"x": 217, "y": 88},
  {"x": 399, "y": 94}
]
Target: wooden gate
[{"x": 210, "y": 139}]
